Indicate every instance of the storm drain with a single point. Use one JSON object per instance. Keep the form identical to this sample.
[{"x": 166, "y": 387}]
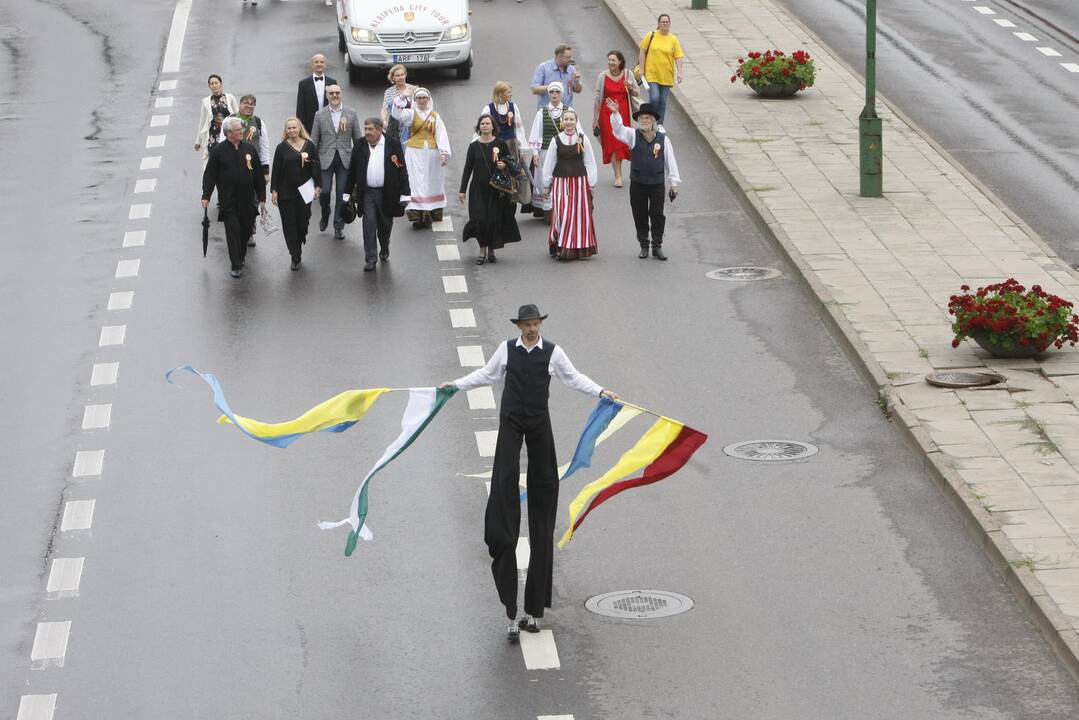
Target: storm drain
[
  {"x": 639, "y": 604},
  {"x": 771, "y": 450},
  {"x": 744, "y": 273},
  {"x": 960, "y": 379}
]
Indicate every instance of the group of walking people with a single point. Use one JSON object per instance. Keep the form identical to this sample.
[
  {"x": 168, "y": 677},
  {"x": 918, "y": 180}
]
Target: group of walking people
[{"x": 394, "y": 163}]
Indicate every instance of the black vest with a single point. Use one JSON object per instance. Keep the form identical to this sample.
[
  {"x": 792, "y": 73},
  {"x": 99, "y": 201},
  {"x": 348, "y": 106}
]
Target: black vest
[
  {"x": 570, "y": 162},
  {"x": 646, "y": 167},
  {"x": 528, "y": 379}
]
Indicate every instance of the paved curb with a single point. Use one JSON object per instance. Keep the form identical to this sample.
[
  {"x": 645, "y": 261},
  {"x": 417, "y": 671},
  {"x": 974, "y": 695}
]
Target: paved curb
[{"x": 979, "y": 523}]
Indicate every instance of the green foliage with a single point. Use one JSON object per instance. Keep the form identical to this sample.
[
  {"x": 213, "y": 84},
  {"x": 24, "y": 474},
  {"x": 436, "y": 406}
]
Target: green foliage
[{"x": 773, "y": 67}]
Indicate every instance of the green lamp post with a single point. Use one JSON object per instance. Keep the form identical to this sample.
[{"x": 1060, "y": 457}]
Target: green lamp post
[{"x": 869, "y": 126}]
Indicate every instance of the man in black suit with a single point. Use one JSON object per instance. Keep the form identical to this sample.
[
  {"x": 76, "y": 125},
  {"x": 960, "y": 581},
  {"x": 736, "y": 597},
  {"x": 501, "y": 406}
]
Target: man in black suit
[
  {"x": 377, "y": 176},
  {"x": 235, "y": 169},
  {"x": 311, "y": 92}
]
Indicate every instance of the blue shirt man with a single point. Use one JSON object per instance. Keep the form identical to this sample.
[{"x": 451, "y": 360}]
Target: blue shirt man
[{"x": 560, "y": 68}]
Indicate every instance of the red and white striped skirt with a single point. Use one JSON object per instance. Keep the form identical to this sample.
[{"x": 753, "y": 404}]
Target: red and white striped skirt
[{"x": 572, "y": 233}]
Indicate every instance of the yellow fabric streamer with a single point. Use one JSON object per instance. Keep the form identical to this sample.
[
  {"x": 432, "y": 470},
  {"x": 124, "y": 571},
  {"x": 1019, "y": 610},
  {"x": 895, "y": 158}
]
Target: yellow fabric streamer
[
  {"x": 648, "y": 448},
  {"x": 349, "y": 406}
]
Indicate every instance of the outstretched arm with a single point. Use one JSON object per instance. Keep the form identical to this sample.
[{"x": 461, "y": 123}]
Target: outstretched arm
[
  {"x": 489, "y": 374},
  {"x": 563, "y": 369}
]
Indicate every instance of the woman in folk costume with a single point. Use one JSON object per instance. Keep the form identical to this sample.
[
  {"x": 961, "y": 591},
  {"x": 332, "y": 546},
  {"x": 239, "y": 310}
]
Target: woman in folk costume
[
  {"x": 426, "y": 152},
  {"x": 570, "y": 173},
  {"x": 544, "y": 128},
  {"x": 510, "y": 129}
]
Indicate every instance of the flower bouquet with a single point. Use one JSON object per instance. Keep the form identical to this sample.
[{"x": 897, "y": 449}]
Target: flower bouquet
[
  {"x": 1010, "y": 321},
  {"x": 774, "y": 74}
]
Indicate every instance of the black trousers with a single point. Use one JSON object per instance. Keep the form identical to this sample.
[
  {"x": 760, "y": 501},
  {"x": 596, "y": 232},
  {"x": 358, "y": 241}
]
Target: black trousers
[
  {"x": 376, "y": 225},
  {"x": 238, "y": 229},
  {"x": 647, "y": 204},
  {"x": 295, "y": 218},
  {"x": 502, "y": 523}
]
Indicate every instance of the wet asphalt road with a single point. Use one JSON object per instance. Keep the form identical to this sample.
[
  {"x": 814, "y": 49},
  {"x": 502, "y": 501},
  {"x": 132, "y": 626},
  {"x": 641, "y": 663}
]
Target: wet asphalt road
[
  {"x": 991, "y": 99},
  {"x": 842, "y": 586}
]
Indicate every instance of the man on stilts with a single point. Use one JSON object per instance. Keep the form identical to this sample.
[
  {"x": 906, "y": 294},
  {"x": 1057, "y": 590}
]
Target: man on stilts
[{"x": 527, "y": 363}]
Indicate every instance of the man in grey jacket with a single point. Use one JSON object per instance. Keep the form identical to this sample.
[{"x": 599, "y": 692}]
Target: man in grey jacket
[{"x": 334, "y": 131}]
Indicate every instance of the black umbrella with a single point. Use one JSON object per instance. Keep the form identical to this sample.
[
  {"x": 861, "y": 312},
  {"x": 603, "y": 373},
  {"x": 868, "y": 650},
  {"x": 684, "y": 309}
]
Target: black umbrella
[{"x": 205, "y": 231}]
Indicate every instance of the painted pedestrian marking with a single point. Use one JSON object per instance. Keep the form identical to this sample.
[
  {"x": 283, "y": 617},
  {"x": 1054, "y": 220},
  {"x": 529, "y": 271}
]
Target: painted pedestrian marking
[
  {"x": 462, "y": 317},
  {"x": 448, "y": 253},
  {"x": 104, "y": 373},
  {"x": 481, "y": 398},
  {"x": 36, "y": 707},
  {"x": 1025, "y": 37},
  {"x": 174, "y": 48},
  {"x": 523, "y": 553},
  {"x": 471, "y": 356},
  {"x": 164, "y": 102},
  {"x": 1070, "y": 67},
  {"x": 65, "y": 574},
  {"x": 1048, "y": 52},
  {"x": 443, "y": 225},
  {"x": 134, "y": 238},
  {"x": 121, "y": 300},
  {"x": 984, "y": 10},
  {"x": 88, "y": 463},
  {"x": 1005, "y": 23},
  {"x": 50, "y": 644},
  {"x": 78, "y": 515},
  {"x": 539, "y": 650},
  {"x": 167, "y": 85},
  {"x": 95, "y": 417},
  {"x": 554, "y": 717}
]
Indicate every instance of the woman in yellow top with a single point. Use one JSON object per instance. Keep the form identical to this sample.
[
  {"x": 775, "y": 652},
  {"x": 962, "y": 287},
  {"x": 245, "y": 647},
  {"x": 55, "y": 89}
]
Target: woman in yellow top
[
  {"x": 660, "y": 61},
  {"x": 426, "y": 152}
]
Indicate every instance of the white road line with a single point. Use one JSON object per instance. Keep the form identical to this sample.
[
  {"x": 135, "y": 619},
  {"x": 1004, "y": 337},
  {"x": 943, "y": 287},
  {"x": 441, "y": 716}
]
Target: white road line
[
  {"x": 145, "y": 185},
  {"x": 470, "y": 356},
  {"x": 96, "y": 416},
  {"x": 1004, "y": 23},
  {"x": 481, "y": 398},
  {"x": 486, "y": 441},
  {"x": 104, "y": 373},
  {"x": 1048, "y": 52},
  {"x": 1025, "y": 37},
  {"x": 88, "y": 463},
  {"x": 462, "y": 317},
  {"x": 78, "y": 515},
  {"x": 36, "y": 707},
  {"x": 487, "y": 484},
  {"x": 153, "y": 141},
  {"x": 539, "y": 650},
  {"x": 554, "y": 717},
  {"x": 523, "y": 553},
  {"x": 167, "y": 85},
  {"x": 984, "y": 10},
  {"x": 175, "y": 46},
  {"x": 1070, "y": 67},
  {"x": 112, "y": 335},
  {"x": 443, "y": 225},
  {"x": 64, "y": 577},
  {"x": 454, "y": 284},
  {"x": 164, "y": 102},
  {"x": 139, "y": 212},
  {"x": 50, "y": 644},
  {"x": 121, "y": 300},
  {"x": 150, "y": 162},
  {"x": 159, "y": 120},
  {"x": 134, "y": 238},
  {"x": 448, "y": 253},
  {"x": 128, "y": 268}
]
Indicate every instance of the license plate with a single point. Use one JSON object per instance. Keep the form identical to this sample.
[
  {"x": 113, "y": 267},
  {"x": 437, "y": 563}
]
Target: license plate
[{"x": 411, "y": 58}]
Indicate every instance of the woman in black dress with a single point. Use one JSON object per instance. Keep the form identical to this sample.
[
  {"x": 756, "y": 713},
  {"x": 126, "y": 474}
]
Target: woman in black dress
[
  {"x": 295, "y": 163},
  {"x": 490, "y": 211}
]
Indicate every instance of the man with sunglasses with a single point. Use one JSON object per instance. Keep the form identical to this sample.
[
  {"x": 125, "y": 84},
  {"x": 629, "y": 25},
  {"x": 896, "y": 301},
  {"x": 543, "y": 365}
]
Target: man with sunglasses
[{"x": 334, "y": 131}]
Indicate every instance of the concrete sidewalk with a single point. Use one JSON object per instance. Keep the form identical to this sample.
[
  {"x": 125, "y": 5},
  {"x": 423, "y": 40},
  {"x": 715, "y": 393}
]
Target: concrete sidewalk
[{"x": 885, "y": 268}]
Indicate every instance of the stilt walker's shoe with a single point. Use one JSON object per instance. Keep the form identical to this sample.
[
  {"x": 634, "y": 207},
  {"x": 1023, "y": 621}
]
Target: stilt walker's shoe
[
  {"x": 528, "y": 624},
  {"x": 514, "y": 633}
]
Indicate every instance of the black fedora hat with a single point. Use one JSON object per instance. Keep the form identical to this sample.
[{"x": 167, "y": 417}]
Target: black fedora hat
[
  {"x": 527, "y": 312},
  {"x": 646, "y": 109}
]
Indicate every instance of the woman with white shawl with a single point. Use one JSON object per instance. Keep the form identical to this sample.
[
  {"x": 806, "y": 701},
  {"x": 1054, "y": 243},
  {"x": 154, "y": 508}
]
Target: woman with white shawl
[
  {"x": 426, "y": 152},
  {"x": 546, "y": 125}
]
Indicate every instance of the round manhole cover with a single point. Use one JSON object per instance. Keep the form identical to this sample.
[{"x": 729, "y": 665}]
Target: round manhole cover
[
  {"x": 771, "y": 450},
  {"x": 744, "y": 273},
  {"x": 962, "y": 379},
  {"x": 639, "y": 604}
]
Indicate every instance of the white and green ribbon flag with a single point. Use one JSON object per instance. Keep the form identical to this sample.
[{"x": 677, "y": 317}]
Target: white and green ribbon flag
[{"x": 423, "y": 405}]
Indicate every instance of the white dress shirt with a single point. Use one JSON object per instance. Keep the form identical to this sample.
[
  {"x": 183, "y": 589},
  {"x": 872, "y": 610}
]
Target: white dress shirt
[
  {"x": 376, "y": 169},
  {"x": 335, "y": 115},
  {"x": 320, "y": 89},
  {"x": 551, "y": 158},
  {"x": 559, "y": 367},
  {"x": 629, "y": 137}
]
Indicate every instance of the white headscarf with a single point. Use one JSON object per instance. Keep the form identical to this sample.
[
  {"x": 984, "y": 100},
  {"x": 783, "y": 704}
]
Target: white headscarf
[
  {"x": 556, "y": 112},
  {"x": 424, "y": 114}
]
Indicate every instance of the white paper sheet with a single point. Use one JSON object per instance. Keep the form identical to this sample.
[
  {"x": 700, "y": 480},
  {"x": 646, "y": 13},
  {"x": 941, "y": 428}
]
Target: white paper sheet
[{"x": 307, "y": 191}]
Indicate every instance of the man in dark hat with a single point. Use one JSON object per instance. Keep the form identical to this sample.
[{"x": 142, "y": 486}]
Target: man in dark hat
[
  {"x": 651, "y": 161},
  {"x": 527, "y": 363}
]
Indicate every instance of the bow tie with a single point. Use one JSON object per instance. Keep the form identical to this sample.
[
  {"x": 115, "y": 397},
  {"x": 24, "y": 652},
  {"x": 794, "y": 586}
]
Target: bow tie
[{"x": 319, "y": 78}]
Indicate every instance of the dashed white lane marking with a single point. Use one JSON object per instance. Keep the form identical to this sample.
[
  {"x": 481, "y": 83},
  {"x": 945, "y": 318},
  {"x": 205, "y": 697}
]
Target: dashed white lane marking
[
  {"x": 1070, "y": 67},
  {"x": 448, "y": 253},
  {"x": 104, "y": 373},
  {"x": 443, "y": 225},
  {"x": 462, "y": 317},
  {"x": 487, "y": 483},
  {"x": 153, "y": 141},
  {"x": 554, "y": 717},
  {"x": 95, "y": 417},
  {"x": 1004, "y": 23},
  {"x": 163, "y": 102},
  {"x": 134, "y": 238},
  {"x": 139, "y": 211},
  {"x": 175, "y": 46},
  {"x": 539, "y": 650},
  {"x": 121, "y": 300},
  {"x": 159, "y": 120},
  {"x": 88, "y": 463},
  {"x": 523, "y": 553},
  {"x": 984, "y": 10},
  {"x": 128, "y": 268},
  {"x": 50, "y": 644},
  {"x": 112, "y": 335},
  {"x": 454, "y": 284},
  {"x": 481, "y": 398},
  {"x": 166, "y": 85},
  {"x": 485, "y": 442},
  {"x": 470, "y": 356},
  {"x": 1025, "y": 37},
  {"x": 1048, "y": 52},
  {"x": 150, "y": 162},
  {"x": 65, "y": 576},
  {"x": 36, "y": 707},
  {"x": 78, "y": 515},
  {"x": 146, "y": 185}
]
